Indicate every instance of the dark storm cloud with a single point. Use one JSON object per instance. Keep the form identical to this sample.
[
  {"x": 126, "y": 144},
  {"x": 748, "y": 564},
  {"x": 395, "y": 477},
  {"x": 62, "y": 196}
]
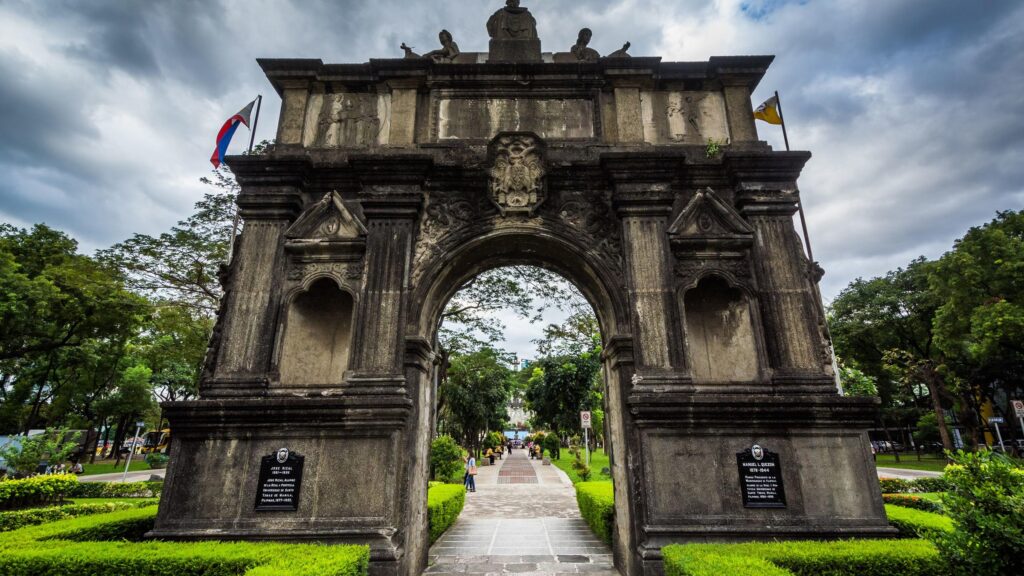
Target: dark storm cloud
[{"x": 912, "y": 108}]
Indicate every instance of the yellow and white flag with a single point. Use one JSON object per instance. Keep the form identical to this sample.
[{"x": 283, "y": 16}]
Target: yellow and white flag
[{"x": 769, "y": 111}]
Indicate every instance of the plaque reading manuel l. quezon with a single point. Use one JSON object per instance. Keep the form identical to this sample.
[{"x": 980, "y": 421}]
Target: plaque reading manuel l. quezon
[
  {"x": 760, "y": 478},
  {"x": 280, "y": 481}
]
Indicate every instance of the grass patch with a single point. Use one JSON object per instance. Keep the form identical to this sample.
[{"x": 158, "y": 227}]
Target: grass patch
[
  {"x": 598, "y": 462},
  {"x": 108, "y": 467},
  {"x": 917, "y": 523},
  {"x": 910, "y": 462}
]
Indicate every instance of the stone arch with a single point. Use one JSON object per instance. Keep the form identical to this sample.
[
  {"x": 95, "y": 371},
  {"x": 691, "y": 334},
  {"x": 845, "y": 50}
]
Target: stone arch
[
  {"x": 526, "y": 245},
  {"x": 723, "y": 335},
  {"x": 316, "y": 334}
]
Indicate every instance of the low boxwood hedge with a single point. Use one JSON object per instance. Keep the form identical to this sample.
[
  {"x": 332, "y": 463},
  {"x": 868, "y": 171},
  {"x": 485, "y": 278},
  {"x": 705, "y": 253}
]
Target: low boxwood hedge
[
  {"x": 107, "y": 544},
  {"x": 900, "y": 486},
  {"x": 146, "y": 489},
  {"x": 912, "y": 501},
  {"x": 597, "y": 506},
  {"x": 444, "y": 503},
  {"x": 917, "y": 523},
  {"x": 802, "y": 558},
  {"x": 14, "y": 519},
  {"x": 36, "y": 490}
]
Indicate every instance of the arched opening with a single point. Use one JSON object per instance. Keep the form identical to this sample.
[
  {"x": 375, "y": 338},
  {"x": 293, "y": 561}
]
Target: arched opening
[
  {"x": 720, "y": 333},
  {"x": 536, "y": 507},
  {"x": 317, "y": 336}
]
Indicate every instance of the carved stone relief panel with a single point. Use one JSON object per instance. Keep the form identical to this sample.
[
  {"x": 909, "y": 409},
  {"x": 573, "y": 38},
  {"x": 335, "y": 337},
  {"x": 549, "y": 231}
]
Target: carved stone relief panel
[
  {"x": 349, "y": 119},
  {"x": 591, "y": 217},
  {"x": 683, "y": 117},
  {"x": 446, "y": 216},
  {"x": 482, "y": 118}
]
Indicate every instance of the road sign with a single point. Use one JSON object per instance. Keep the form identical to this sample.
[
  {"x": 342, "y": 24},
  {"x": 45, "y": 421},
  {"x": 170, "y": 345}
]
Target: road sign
[
  {"x": 585, "y": 419},
  {"x": 1018, "y": 408},
  {"x": 995, "y": 420}
]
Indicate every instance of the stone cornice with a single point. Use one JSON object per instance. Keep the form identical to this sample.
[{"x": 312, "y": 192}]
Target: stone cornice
[{"x": 639, "y": 71}]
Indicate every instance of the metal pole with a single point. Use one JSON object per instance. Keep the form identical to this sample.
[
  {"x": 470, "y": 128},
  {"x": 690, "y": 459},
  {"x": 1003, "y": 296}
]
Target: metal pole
[
  {"x": 252, "y": 140},
  {"x": 782, "y": 118},
  {"x": 138, "y": 429},
  {"x": 999, "y": 435},
  {"x": 586, "y": 445}
]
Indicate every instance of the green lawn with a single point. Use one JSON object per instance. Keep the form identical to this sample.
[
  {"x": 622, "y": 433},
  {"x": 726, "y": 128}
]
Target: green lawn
[
  {"x": 107, "y": 467},
  {"x": 910, "y": 462},
  {"x": 598, "y": 460}
]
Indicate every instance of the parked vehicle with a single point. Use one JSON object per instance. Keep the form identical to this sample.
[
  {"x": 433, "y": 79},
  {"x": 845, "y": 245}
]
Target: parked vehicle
[{"x": 156, "y": 441}]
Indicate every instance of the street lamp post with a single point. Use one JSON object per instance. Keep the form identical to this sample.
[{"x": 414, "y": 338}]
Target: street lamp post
[{"x": 138, "y": 430}]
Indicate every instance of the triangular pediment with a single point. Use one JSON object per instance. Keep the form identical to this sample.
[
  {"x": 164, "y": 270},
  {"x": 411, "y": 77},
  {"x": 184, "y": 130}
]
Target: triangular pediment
[
  {"x": 328, "y": 219},
  {"x": 707, "y": 216}
]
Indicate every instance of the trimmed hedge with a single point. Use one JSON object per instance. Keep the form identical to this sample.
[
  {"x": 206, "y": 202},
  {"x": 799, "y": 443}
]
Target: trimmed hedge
[
  {"x": 917, "y": 523},
  {"x": 803, "y": 558},
  {"x": 900, "y": 486},
  {"x": 35, "y": 490},
  {"x": 67, "y": 548},
  {"x": 597, "y": 506},
  {"x": 15, "y": 519},
  {"x": 911, "y": 501},
  {"x": 147, "y": 489},
  {"x": 444, "y": 503}
]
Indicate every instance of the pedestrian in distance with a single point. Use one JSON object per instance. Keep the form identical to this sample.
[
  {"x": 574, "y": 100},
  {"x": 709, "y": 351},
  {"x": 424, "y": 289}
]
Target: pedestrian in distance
[{"x": 471, "y": 474}]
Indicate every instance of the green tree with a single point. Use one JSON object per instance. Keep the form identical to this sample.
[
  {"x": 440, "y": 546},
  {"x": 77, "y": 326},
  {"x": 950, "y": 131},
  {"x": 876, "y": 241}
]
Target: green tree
[
  {"x": 855, "y": 381},
  {"x": 53, "y": 446},
  {"x": 884, "y": 325},
  {"x": 979, "y": 324},
  {"x": 64, "y": 321},
  {"x": 445, "y": 458},
  {"x": 561, "y": 387},
  {"x": 473, "y": 397}
]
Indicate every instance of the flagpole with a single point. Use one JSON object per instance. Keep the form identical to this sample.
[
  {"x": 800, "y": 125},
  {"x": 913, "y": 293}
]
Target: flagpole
[
  {"x": 778, "y": 103},
  {"x": 252, "y": 139},
  {"x": 810, "y": 258}
]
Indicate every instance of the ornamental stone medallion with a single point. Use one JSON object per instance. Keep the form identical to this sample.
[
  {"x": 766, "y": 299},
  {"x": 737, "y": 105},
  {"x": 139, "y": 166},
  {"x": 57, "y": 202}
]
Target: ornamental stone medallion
[
  {"x": 517, "y": 172},
  {"x": 394, "y": 181}
]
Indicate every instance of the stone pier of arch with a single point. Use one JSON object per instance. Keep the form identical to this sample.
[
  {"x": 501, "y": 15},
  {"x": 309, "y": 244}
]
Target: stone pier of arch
[{"x": 391, "y": 182}]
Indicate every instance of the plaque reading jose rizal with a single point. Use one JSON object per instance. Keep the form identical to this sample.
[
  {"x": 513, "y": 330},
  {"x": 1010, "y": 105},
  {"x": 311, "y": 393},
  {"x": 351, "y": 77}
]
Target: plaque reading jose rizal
[
  {"x": 760, "y": 478},
  {"x": 280, "y": 481}
]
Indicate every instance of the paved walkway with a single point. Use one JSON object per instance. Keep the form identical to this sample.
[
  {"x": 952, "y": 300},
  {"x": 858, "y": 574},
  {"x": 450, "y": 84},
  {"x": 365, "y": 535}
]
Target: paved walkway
[
  {"x": 906, "y": 473},
  {"x": 522, "y": 519}
]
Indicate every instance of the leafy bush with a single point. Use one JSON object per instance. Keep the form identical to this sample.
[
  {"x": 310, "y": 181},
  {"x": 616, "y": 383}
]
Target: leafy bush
[
  {"x": 147, "y": 489},
  {"x": 444, "y": 503},
  {"x": 54, "y": 446},
  {"x": 156, "y": 460},
  {"x": 985, "y": 499},
  {"x": 68, "y": 547},
  {"x": 581, "y": 467},
  {"x": 900, "y": 486},
  {"x": 849, "y": 557},
  {"x": 596, "y": 501},
  {"x": 15, "y": 519},
  {"x": 911, "y": 501},
  {"x": 35, "y": 490},
  {"x": 445, "y": 457},
  {"x": 916, "y": 523},
  {"x": 553, "y": 446}
]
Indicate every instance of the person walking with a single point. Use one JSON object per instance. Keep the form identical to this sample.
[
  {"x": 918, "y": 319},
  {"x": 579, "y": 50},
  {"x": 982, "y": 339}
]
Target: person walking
[{"x": 470, "y": 477}]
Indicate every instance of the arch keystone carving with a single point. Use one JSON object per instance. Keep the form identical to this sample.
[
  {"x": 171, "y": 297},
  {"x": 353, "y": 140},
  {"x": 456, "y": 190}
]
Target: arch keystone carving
[{"x": 517, "y": 172}]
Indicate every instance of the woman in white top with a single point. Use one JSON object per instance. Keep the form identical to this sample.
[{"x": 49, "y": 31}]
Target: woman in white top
[{"x": 470, "y": 478}]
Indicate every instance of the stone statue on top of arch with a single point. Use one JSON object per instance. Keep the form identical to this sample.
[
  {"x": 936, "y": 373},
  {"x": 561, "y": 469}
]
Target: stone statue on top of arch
[{"x": 512, "y": 23}]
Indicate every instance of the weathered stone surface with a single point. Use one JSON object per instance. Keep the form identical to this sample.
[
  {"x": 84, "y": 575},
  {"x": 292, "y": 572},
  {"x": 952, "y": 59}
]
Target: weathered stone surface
[{"x": 376, "y": 205}]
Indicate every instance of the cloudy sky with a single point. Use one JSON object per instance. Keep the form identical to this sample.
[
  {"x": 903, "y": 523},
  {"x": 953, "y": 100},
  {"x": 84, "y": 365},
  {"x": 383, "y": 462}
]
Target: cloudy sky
[{"x": 913, "y": 109}]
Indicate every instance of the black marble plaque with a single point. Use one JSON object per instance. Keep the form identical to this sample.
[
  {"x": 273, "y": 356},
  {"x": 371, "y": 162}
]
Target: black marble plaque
[
  {"x": 280, "y": 481},
  {"x": 760, "y": 478}
]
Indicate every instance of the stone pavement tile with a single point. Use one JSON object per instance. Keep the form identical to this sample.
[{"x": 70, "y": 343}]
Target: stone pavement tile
[
  {"x": 573, "y": 559},
  {"x": 447, "y": 568},
  {"x": 591, "y": 568},
  {"x": 520, "y": 568},
  {"x": 551, "y": 567},
  {"x": 538, "y": 558}
]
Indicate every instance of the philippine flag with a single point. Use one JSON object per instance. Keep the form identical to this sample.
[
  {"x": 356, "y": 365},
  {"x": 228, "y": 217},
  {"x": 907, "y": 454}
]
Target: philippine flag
[{"x": 227, "y": 131}]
